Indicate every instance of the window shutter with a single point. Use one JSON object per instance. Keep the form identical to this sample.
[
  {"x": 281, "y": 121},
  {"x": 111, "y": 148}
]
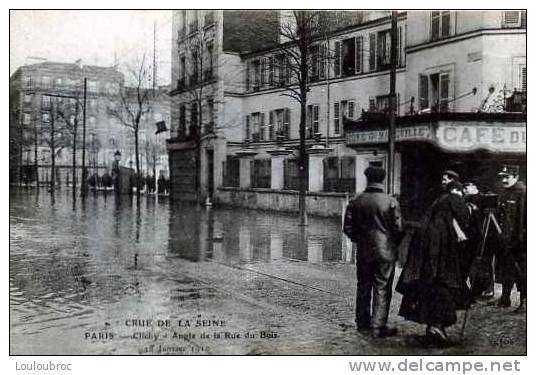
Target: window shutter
[
  {"x": 512, "y": 19},
  {"x": 444, "y": 83},
  {"x": 247, "y": 75},
  {"x": 523, "y": 79},
  {"x": 337, "y": 62},
  {"x": 400, "y": 47},
  {"x": 359, "y": 54},
  {"x": 423, "y": 91},
  {"x": 248, "y": 130},
  {"x": 445, "y": 23},
  {"x": 351, "y": 109},
  {"x": 271, "y": 135},
  {"x": 262, "y": 128},
  {"x": 434, "y": 27},
  {"x": 372, "y": 52},
  {"x": 315, "y": 119},
  {"x": 271, "y": 68},
  {"x": 336, "y": 117},
  {"x": 322, "y": 61},
  {"x": 287, "y": 122}
]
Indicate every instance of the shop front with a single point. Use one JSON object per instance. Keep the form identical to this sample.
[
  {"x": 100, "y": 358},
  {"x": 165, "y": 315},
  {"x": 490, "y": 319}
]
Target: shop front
[{"x": 475, "y": 145}]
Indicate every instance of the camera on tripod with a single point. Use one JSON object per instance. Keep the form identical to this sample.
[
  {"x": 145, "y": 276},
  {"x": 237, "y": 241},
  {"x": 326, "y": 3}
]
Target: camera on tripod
[{"x": 489, "y": 201}]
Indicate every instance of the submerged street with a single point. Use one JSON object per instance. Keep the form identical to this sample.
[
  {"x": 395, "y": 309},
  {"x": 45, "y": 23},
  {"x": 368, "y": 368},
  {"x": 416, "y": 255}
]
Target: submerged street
[{"x": 119, "y": 276}]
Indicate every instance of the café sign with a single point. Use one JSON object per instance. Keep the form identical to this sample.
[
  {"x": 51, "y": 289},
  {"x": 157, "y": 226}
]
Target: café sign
[
  {"x": 452, "y": 136},
  {"x": 456, "y": 137}
]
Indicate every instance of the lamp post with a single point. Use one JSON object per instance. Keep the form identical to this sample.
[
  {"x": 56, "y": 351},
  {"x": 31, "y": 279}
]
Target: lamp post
[{"x": 117, "y": 159}]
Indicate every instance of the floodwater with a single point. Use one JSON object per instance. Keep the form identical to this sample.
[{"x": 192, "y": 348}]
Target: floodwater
[{"x": 96, "y": 276}]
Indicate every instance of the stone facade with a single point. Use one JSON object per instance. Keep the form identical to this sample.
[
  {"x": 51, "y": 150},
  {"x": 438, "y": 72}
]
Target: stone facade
[{"x": 441, "y": 58}]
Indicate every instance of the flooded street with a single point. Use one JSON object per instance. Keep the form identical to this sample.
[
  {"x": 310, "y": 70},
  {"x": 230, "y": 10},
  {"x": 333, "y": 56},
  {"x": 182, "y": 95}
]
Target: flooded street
[{"x": 121, "y": 276}]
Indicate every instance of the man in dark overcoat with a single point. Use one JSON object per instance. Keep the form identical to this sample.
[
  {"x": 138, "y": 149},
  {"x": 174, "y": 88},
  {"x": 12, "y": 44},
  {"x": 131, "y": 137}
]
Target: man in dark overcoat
[
  {"x": 511, "y": 258},
  {"x": 372, "y": 220}
]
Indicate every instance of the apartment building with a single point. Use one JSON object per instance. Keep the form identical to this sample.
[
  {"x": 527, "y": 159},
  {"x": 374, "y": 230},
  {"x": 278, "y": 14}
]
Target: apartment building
[
  {"x": 49, "y": 92},
  {"x": 449, "y": 63}
]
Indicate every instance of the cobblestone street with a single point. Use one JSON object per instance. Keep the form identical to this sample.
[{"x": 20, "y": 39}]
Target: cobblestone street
[{"x": 116, "y": 276}]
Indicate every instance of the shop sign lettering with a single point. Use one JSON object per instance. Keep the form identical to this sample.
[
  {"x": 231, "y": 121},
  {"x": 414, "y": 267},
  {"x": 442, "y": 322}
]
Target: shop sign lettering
[
  {"x": 492, "y": 138},
  {"x": 382, "y": 136}
]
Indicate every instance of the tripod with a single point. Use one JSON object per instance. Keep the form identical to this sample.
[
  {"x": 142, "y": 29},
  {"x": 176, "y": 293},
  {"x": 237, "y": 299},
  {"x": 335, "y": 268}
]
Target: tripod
[{"x": 489, "y": 219}]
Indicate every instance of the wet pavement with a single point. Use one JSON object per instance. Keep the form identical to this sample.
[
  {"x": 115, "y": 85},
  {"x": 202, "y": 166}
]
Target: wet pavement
[{"x": 121, "y": 276}]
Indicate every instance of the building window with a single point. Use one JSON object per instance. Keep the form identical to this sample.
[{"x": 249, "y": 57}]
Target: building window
[
  {"x": 348, "y": 57},
  {"x": 182, "y": 120},
  {"x": 359, "y": 54},
  {"x": 314, "y": 56},
  {"x": 195, "y": 65},
  {"x": 514, "y": 18},
  {"x": 384, "y": 50},
  {"x": 312, "y": 120},
  {"x": 372, "y": 52},
  {"x": 92, "y": 86},
  {"x": 257, "y": 126},
  {"x": 336, "y": 118},
  {"x": 28, "y": 82},
  {"x": 435, "y": 92},
  {"x": 322, "y": 61},
  {"x": 248, "y": 128},
  {"x": 209, "y": 127},
  {"x": 45, "y": 81},
  {"x": 271, "y": 123},
  {"x": 263, "y": 71},
  {"x": 26, "y": 118},
  {"x": 271, "y": 71},
  {"x": 282, "y": 70},
  {"x": 182, "y": 72},
  {"x": 193, "y": 118},
  {"x": 372, "y": 105},
  {"x": 440, "y": 24},
  {"x": 256, "y": 71},
  {"x": 27, "y": 98},
  {"x": 45, "y": 117},
  {"x": 45, "y": 101}
]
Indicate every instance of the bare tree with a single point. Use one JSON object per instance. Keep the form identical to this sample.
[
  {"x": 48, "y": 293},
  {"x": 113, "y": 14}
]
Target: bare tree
[
  {"x": 55, "y": 136},
  {"x": 70, "y": 115},
  {"x": 132, "y": 103}
]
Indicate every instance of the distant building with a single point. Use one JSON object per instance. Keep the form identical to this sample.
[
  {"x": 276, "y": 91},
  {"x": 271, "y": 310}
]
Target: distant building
[
  {"x": 250, "y": 133},
  {"x": 40, "y": 91}
]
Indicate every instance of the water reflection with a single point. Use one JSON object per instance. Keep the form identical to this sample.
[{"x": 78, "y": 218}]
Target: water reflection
[{"x": 235, "y": 236}]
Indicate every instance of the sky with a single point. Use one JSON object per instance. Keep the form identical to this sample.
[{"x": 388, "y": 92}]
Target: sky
[{"x": 95, "y": 36}]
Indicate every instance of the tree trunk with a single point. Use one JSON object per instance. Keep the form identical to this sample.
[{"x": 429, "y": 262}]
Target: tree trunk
[
  {"x": 137, "y": 150},
  {"x": 36, "y": 162},
  {"x": 75, "y": 134},
  {"x": 303, "y": 165},
  {"x": 52, "y": 153}
]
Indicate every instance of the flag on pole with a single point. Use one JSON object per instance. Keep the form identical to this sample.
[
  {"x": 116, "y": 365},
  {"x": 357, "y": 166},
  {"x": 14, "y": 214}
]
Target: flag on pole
[{"x": 161, "y": 127}]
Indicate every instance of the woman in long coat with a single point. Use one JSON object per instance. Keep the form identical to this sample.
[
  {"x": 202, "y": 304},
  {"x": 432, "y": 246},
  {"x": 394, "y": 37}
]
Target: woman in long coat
[{"x": 433, "y": 282}]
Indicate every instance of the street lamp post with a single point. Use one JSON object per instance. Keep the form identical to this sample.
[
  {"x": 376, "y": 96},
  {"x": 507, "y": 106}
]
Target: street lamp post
[{"x": 117, "y": 159}]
